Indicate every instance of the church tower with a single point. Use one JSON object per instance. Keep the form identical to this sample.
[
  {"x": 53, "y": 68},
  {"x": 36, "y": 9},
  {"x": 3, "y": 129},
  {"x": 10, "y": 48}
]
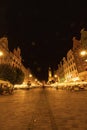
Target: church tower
[
  {"x": 49, "y": 74},
  {"x": 84, "y": 38}
]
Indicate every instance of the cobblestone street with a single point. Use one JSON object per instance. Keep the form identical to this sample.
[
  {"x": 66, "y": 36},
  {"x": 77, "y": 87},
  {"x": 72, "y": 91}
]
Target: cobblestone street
[{"x": 44, "y": 109}]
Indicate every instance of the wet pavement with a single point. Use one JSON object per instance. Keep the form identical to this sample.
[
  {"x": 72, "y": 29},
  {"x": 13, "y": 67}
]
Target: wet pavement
[{"x": 44, "y": 109}]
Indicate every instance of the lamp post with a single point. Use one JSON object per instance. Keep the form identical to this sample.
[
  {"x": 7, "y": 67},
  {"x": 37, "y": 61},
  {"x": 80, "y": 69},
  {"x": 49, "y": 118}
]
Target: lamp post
[
  {"x": 55, "y": 78},
  {"x": 30, "y": 77}
]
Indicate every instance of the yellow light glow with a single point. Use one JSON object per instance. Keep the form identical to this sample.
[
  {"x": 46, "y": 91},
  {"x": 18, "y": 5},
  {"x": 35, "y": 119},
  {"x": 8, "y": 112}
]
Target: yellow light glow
[
  {"x": 83, "y": 53},
  {"x": 30, "y": 75},
  {"x": 35, "y": 79},
  {"x": 76, "y": 79},
  {"x": 55, "y": 76},
  {"x": 1, "y": 53}
]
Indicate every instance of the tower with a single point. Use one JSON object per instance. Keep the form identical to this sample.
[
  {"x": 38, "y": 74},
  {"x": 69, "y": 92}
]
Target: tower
[
  {"x": 49, "y": 74},
  {"x": 84, "y": 38}
]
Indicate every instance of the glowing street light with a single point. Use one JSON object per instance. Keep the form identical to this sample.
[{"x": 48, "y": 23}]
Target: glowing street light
[
  {"x": 36, "y": 80},
  {"x": 83, "y": 53},
  {"x": 55, "y": 76},
  {"x": 86, "y": 60},
  {"x": 30, "y": 75},
  {"x": 1, "y": 53}
]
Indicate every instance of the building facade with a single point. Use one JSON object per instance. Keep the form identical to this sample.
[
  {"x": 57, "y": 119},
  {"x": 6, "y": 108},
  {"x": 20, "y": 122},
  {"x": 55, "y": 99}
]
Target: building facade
[
  {"x": 12, "y": 58},
  {"x": 70, "y": 69},
  {"x": 74, "y": 66}
]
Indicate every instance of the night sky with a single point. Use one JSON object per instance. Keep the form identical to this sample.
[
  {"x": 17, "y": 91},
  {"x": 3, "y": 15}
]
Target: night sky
[{"x": 43, "y": 30}]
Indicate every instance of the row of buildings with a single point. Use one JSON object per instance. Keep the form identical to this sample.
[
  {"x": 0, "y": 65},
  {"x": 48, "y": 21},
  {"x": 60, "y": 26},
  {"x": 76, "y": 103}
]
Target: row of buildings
[
  {"x": 73, "y": 67},
  {"x": 13, "y": 58}
]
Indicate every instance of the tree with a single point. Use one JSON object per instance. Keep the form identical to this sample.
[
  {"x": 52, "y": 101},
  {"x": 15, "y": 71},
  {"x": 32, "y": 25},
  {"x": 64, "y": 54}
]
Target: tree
[
  {"x": 19, "y": 76},
  {"x": 12, "y": 74}
]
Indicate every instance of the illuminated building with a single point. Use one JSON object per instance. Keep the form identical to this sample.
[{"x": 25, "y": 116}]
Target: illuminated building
[
  {"x": 70, "y": 69},
  {"x": 74, "y": 66},
  {"x": 12, "y": 58},
  {"x": 80, "y": 60}
]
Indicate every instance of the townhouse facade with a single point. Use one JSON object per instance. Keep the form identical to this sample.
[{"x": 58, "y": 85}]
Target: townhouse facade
[
  {"x": 73, "y": 67},
  {"x": 12, "y": 58}
]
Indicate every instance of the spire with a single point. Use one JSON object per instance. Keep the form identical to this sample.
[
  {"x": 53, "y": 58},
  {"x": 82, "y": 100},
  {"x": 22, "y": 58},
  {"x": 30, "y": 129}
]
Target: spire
[{"x": 49, "y": 74}]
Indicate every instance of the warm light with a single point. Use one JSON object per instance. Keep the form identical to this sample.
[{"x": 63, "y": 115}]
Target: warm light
[
  {"x": 35, "y": 79},
  {"x": 30, "y": 75},
  {"x": 55, "y": 76},
  {"x": 83, "y": 53},
  {"x": 1, "y": 53},
  {"x": 50, "y": 75},
  {"x": 75, "y": 79}
]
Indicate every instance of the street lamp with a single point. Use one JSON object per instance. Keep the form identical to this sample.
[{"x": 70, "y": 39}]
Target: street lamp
[
  {"x": 83, "y": 53},
  {"x": 55, "y": 76},
  {"x": 35, "y": 80},
  {"x": 1, "y": 53},
  {"x": 30, "y": 75}
]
